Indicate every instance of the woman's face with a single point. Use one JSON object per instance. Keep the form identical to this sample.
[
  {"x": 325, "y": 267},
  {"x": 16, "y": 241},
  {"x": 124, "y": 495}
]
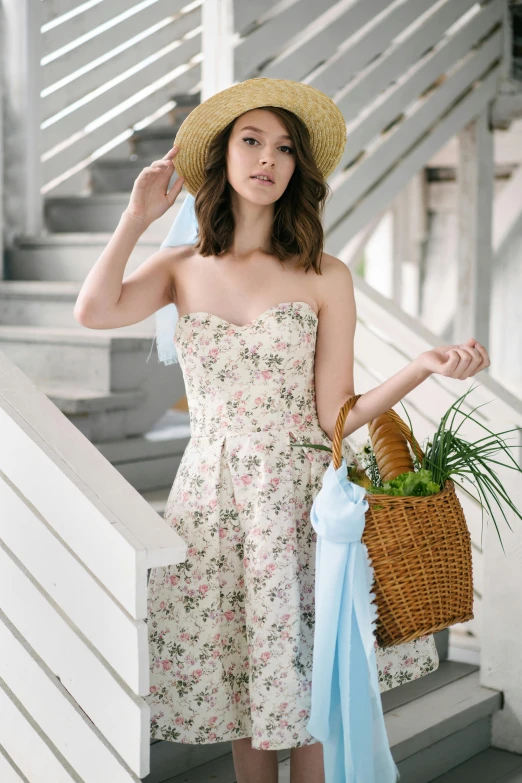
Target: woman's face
[{"x": 267, "y": 149}]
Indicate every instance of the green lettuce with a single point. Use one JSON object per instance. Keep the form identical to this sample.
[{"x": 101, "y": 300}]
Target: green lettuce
[{"x": 416, "y": 483}]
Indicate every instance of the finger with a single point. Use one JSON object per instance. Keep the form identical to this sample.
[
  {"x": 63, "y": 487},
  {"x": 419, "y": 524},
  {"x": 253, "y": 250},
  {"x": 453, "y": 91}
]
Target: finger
[
  {"x": 453, "y": 357},
  {"x": 174, "y": 191},
  {"x": 477, "y": 362},
  {"x": 171, "y": 153},
  {"x": 485, "y": 357}
]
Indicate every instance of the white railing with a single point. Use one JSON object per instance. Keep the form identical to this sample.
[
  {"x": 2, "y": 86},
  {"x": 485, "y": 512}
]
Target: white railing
[{"x": 76, "y": 541}]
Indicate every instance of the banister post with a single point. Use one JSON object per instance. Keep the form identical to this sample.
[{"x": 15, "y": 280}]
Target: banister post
[
  {"x": 475, "y": 172},
  {"x": 22, "y": 45},
  {"x": 217, "y": 43}
]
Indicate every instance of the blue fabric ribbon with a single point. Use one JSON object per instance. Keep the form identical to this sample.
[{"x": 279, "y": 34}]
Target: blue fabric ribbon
[
  {"x": 346, "y": 713},
  {"x": 183, "y": 231}
]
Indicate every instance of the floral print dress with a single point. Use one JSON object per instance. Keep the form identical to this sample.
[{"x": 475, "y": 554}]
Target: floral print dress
[{"x": 231, "y": 628}]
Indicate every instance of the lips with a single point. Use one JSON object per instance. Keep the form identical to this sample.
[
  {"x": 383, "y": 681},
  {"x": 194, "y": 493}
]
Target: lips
[{"x": 262, "y": 181}]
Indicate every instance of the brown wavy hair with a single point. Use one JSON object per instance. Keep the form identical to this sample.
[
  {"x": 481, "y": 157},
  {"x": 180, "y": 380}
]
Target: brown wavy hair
[{"x": 298, "y": 213}]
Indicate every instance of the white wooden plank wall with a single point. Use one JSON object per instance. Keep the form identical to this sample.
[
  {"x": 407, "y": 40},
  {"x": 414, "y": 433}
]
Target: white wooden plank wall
[{"x": 107, "y": 68}]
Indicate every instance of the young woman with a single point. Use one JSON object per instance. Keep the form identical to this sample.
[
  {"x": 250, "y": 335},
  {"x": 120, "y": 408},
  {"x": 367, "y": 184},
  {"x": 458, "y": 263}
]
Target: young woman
[{"x": 266, "y": 339}]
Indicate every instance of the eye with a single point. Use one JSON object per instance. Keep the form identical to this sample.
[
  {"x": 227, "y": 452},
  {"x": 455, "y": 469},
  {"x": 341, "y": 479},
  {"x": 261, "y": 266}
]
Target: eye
[{"x": 285, "y": 146}]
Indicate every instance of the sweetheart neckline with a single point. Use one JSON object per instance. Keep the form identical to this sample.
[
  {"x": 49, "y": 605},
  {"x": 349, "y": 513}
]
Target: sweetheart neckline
[{"x": 249, "y": 323}]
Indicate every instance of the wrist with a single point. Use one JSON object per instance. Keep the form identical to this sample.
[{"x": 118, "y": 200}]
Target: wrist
[
  {"x": 420, "y": 368},
  {"x": 140, "y": 224}
]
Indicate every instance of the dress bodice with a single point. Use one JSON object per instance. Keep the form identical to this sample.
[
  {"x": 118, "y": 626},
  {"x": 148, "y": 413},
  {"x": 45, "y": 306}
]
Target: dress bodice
[{"x": 253, "y": 377}]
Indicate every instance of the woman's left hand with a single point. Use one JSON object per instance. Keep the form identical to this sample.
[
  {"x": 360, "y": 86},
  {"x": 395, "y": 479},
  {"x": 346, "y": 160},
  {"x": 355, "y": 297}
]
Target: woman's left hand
[{"x": 456, "y": 361}]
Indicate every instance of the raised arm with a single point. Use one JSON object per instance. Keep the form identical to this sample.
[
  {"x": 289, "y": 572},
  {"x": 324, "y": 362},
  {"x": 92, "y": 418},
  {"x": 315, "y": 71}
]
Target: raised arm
[{"x": 106, "y": 301}]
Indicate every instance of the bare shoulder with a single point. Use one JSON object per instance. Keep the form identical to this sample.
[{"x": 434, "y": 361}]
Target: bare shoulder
[
  {"x": 335, "y": 285},
  {"x": 177, "y": 259}
]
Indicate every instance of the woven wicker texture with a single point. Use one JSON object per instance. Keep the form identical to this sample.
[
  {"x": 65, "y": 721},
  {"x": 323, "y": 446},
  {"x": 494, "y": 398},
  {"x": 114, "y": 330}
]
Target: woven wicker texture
[
  {"x": 420, "y": 550},
  {"x": 323, "y": 119}
]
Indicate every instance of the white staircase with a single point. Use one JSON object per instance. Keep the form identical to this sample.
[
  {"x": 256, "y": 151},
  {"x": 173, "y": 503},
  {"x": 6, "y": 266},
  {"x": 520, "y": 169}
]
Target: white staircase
[{"x": 114, "y": 83}]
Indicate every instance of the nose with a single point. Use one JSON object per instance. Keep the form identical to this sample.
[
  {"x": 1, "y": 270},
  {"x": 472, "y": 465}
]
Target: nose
[{"x": 267, "y": 157}]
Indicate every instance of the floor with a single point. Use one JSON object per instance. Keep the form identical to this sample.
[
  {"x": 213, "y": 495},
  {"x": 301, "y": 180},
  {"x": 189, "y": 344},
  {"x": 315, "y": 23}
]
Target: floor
[{"x": 490, "y": 766}]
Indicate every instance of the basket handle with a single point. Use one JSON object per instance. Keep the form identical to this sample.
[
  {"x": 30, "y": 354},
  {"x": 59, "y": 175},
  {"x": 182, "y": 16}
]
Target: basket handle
[{"x": 339, "y": 428}]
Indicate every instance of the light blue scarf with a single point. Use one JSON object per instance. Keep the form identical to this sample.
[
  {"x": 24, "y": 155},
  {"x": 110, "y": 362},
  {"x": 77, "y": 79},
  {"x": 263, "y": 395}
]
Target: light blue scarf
[
  {"x": 183, "y": 231},
  {"x": 346, "y": 713}
]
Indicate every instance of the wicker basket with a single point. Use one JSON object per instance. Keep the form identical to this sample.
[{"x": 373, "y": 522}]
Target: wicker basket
[{"x": 420, "y": 550}]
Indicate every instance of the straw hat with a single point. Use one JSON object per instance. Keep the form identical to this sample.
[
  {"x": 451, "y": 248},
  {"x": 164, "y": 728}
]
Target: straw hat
[{"x": 317, "y": 111}]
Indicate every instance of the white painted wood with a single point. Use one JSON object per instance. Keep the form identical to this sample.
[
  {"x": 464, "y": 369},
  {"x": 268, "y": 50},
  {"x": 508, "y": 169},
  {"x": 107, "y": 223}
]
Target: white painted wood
[
  {"x": 417, "y": 122},
  {"x": 8, "y": 773},
  {"x": 383, "y": 192},
  {"x": 438, "y": 714},
  {"x": 475, "y": 206},
  {"x": 121, "y": 716},
  {"x": 245, "y": 14},
  {"x": 94, "y": 139},
  {"x": 409, "y": 233},
  {"x": 320, "y": 40},
  {"x": 402, "y": 57},
  {"x": 505, "y": 335},
  {"x": 400, "y": 242},
  {"x": 272, "y": 37},
  {"x": 217, "y": 69},
  {"x": 372, "y": 117},
  {"x": 52, "y": 10},
  {"x": 103, "y": 26},
  {"x": 352, "y": 252},
  {"x": 21, "y": 40},
  {"x": 56, "y": 713},
  {"x": 507, "y": 212},
  {"x": 113, "y": 529},
  {"x": 97, "y": 77},
  {"x": 367, "y": 44},
  {"x": 19, "y": 734},
  {"x": 141, "y": 81},
  {"x": 89, "y": 606}
]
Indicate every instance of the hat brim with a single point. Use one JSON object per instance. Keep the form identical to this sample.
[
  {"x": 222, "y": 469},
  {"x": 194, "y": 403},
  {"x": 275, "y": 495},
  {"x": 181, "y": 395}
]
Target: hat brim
[{"x": 323, "y": 119}]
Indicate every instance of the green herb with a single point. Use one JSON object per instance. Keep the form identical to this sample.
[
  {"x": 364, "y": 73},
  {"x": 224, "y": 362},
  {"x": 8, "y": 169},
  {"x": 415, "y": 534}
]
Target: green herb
[
  {"x": 448, "y": 455},
  {"x": 410, "y": 483}
]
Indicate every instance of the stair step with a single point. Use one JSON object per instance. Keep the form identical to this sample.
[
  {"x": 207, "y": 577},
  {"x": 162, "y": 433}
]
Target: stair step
[
  {"x": 436, "y": 714},
  {"x": 101, "y": 212},
  {"x": 432, "y": 734},
  {"x": 117, "y": 175},
  {"x": 72, "y": 400},
  {"x": 98, "y": 359},
  {"x": 447, "y": 753},
  {"x": 47, "y": 303},
  {"x": 446, "y": 673},
  {"x": 490, "y": 766},
  {"x": 70, "y": 256},
  {"x": 150, "y": 462}
]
